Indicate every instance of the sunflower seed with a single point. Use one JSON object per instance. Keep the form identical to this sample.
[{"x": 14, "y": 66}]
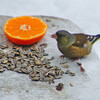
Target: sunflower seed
[
  {"x": 4, "y": 46},
  {"x": 44, "y": 45},
  {"x": 72, "y": 74},
  {"x": 32, "y": 61},
  {"x": 2, "y": 70},
  {"x": 67, "y": 72}
]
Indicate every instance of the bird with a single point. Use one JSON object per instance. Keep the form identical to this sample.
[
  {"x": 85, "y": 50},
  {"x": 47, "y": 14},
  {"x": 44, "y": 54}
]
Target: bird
[{"x": 74, "y": 45}]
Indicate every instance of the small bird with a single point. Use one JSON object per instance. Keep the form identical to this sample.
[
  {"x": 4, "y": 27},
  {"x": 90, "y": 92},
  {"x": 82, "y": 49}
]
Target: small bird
[{"x": 75, "y": 45}]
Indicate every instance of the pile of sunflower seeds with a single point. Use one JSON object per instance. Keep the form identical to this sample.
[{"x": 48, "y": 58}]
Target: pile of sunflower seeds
[{"x": 29, "y": 60}]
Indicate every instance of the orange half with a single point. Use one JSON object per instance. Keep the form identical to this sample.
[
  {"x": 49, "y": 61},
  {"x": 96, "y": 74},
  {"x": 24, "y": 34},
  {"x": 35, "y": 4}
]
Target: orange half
[{"x": 25, "y": 30}]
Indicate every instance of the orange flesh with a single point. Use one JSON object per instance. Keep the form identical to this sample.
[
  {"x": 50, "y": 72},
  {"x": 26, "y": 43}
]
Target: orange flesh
[{"x": 25, "y": 30}]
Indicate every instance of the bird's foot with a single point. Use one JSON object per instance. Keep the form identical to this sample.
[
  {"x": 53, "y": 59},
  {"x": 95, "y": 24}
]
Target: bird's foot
[
  {"x": 75, "y": 59},
  {"x": 62, "y": 56}
]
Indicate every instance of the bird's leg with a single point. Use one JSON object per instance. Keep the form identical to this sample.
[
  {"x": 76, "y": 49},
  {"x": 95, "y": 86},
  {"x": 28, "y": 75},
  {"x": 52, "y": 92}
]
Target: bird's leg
[
  {"x": 82, "y": 69},
  {"x": 62, "y": 56},
  {"x": 75, "y": 59}
]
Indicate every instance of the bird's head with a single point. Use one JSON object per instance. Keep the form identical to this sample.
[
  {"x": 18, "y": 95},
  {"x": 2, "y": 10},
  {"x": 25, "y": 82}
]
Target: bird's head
[{"x": 63, "y": 36}]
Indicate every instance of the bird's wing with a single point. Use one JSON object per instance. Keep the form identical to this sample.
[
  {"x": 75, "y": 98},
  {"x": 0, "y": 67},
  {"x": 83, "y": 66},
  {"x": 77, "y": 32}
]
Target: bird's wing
[
  {"x": 80, "y": 39},
  {"x": 78, "y": 52}
]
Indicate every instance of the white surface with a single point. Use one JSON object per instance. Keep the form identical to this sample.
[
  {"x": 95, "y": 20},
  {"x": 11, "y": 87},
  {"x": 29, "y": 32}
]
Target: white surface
[{"x": 84, "y": 13}]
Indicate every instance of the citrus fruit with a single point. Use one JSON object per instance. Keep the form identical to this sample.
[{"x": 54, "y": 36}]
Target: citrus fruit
[{"x": 25, "y": 30}]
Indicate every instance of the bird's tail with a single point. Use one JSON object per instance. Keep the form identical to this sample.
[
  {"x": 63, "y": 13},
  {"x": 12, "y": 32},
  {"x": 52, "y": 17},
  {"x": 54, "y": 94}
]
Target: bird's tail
[{"x": 93, "y": 38}]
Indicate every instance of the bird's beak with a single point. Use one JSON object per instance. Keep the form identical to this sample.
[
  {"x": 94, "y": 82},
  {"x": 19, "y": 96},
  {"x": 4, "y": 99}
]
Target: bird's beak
[{"x": 54, "y": 36}]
